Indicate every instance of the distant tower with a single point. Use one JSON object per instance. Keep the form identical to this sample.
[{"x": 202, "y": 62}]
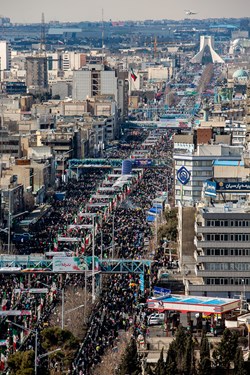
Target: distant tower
[
  {"x": 207, "y": 53},
  {"x": 42, "y": 47},
  {"x": 37, "y": 67}
]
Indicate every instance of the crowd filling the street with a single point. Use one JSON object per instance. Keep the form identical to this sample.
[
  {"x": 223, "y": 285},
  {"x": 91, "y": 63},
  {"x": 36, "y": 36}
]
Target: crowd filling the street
[{"x": 121, "y": 232}]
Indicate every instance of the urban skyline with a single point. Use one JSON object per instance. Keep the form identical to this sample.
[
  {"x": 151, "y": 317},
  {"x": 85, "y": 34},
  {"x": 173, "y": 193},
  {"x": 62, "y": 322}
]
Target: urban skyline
[{"x": 121, "y": 10}]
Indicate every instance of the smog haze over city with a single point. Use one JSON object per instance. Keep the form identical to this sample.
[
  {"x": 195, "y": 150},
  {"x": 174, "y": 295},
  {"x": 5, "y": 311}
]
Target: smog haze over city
[{"x": 28, "y": 11}]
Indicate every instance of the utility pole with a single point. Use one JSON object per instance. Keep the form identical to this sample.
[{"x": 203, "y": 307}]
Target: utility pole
[{"x": 93, "y": 259}]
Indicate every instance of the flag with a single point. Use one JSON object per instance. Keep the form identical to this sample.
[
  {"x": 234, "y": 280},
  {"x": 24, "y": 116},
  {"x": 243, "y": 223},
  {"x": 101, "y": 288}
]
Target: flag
[
  {"x": 4, "y": 301},
  {"x": 82, "y": 245},
  {"x": 15, "y": 340},
  {"x": 2, "y": 362},
  {"x": 55, "y": 245},
  {"x": 133, "y": 76},
  {"x": 60, "y": 42}
]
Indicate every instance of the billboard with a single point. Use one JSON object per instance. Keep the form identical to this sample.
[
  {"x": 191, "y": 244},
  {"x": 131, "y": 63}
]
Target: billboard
[
  {"x": 210, "y": 188},
  {"x": 67, "y": 264},
  {"x": 236, "y": 187}
]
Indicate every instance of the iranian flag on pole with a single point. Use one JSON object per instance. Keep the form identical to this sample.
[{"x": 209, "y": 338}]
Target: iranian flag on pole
[
  {"x": 15, "y": 340},
  {"x": 133, "y": 75},
  {"x": 55, "y": 245},
  {"x": 2, "y": 362}
]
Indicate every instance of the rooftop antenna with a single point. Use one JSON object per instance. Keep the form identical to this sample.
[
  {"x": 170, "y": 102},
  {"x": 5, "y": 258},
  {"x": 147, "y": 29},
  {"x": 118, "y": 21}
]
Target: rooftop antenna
[
  {"x": 102, "y": 36},
  {"x": 42, "y": 39}
]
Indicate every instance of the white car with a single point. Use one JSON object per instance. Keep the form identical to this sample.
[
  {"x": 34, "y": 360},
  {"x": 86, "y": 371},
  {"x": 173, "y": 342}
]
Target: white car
[{"x": 155, "y": 319}]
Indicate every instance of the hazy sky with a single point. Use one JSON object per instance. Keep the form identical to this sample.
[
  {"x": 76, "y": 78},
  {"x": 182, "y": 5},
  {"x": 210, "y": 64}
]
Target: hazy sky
[{"x": 91, "y": 10}]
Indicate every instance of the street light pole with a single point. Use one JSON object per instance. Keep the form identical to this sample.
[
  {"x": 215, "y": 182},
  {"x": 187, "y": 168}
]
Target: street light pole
[
  {"x": 36, "y": 341},
  {"x": 93, "y": 260},
  {"x": 62, "y": 308},
  {"x": 113, "y": 236},
  {"x": 9, "y": 222}
]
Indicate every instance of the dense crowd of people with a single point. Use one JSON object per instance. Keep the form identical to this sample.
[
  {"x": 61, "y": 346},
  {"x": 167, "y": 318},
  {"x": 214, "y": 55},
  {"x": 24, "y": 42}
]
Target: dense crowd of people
[{"x": 116, "y": 306}]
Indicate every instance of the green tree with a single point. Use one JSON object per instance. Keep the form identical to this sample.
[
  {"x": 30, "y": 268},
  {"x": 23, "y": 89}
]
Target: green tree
[
  {"x": 239, "y": 364},
  {"x": 180, "y": 348},
  {"x": 204, "y": 367},
  {"x": 130, "y": 361},
  {"x": 171, "y": 364},
  {"x": 225, "y": 352},
  {"x": 160, "y": 366},
  {"x": 22, "y": 363},
  {"x": 54, "y": 338},
  {"x": 148, "y": 370},
  {"x": 189, "y": 356},
  {"x": 204, "y": 348}
]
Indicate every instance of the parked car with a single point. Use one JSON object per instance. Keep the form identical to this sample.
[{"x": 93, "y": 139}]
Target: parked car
[{"x": 155, "y": 319}]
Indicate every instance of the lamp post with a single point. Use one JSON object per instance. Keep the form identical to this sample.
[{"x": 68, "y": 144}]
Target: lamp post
[
  {"x": 92, "y": 215},
  {"x": 113, "y": 236},
  {"x": 70, "y": 310},
  {"x": 36, "y": 339},
  {"x": 93, "y": 259}
]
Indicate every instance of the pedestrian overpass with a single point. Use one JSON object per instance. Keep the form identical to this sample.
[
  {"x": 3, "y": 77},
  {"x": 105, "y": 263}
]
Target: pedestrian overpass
[
  {"x": 76, "y": 164},
  {"x": 23, "y": 264}
]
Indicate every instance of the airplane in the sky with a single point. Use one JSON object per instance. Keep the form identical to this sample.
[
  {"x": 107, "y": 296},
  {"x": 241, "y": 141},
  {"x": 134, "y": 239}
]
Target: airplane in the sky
[{"x": 189, "y": 13}]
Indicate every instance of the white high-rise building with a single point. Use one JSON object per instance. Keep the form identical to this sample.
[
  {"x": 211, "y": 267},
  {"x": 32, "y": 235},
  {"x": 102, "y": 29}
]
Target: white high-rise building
[{"x": 5, "y": 55}]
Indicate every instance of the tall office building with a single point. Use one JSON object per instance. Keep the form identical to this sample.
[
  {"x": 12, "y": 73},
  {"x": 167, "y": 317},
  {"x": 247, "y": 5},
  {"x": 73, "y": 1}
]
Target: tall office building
[
  {"x": 123, "y": 89},
  {"x": 94, "y": 81},
  {"x": 5, "y": 55},
  {"x": 222, "y": 255},
  {"x": 37, "y": 73}
]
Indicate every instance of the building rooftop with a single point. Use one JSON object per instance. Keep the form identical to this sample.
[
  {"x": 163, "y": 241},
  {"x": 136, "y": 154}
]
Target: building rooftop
[
  {"x": 226, "y": 207},
  {"x": 185, "y": 304}
]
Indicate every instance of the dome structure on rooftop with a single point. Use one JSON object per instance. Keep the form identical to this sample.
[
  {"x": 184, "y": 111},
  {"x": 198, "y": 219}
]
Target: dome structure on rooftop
[{"x": 240, "y": 74}]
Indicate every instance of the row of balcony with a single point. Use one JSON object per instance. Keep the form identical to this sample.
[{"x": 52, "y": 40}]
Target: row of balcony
[
  {"x": 201, "y": 230},
  {"x": 220, "y": 244}
]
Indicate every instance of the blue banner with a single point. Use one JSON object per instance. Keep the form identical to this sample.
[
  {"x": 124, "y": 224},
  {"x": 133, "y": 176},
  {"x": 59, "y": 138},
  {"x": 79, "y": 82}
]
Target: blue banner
[
  {"x": 142, "y": 282},
  {"x": 60, "y": 195},
  {"x": 142, "y": 162},
  {"x": 210, "y": 188},
  {"x": 161, "y": 291}
]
